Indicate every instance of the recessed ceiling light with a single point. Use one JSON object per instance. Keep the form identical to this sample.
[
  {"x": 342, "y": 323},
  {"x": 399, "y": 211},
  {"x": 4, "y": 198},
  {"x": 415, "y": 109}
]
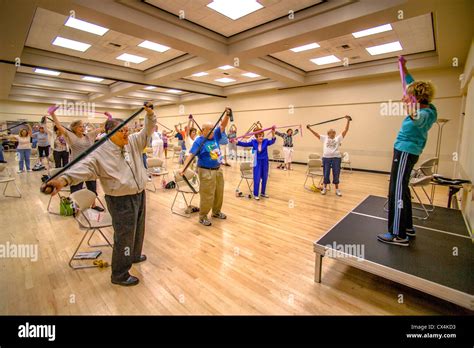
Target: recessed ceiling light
[
  {"x": 154, "y": 46},
  {"x": 235, "y": 9},
  {"x": 131, "y": 58},
  {"x": 225, "y": 80},
  {"x": 226, "y": 67},
  {"x": 385, "y": 48},
  {"x": 174, "y": 91},
  {"x": 251, "y": 74},
  {"x": 149, "y": 87},
  {"x": 371, "y": 31},
  {"x": 71, "y": 44},
  {"x": 85, "y": 26},
  {"x": 92, "y": 79},
  {"x": 325, "y": 60},
  {"x": 47, "y": 72},
  {"x": 199, "y": 74},
  {"x": 305, "y": 47}
]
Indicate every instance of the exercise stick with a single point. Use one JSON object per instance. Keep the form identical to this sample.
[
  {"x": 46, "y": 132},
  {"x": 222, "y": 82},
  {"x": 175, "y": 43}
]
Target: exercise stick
[
  {"x": 46, "y": 117},
  {"x": 300, "y": 128},
  {"x": 18, "y": 125},
  {"x": 45, "y": 188},
  {"x": 195, "y": 122},
  {"x": 206, "y": 138},
  {"x": 334, "y": 119}
]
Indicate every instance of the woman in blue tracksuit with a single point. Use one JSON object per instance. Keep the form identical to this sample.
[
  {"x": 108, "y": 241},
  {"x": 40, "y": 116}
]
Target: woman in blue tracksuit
[
  {"x": 410, "y": 142},
  {"x": 260, "y": 169}
]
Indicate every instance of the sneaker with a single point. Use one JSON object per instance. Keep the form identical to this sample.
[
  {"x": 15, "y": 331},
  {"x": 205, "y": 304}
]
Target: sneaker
[
  {"x": 393, "y": 239},
  {"x": 411, "y": 232},
  {"x": 99, "y": 209},
  {"x": 20, "y": 171},
  {"x": 264, "y": 195},
  {"x": 220, "y": 215},
  {"x": 284, "y": 168},
  {"x": 257, "y": 198},
  {"x": 28, "y": 170},
  {"x": 338, "y": 192},
  {"x": 205, "y": 221},
  {"x": 323, "y": 191}
]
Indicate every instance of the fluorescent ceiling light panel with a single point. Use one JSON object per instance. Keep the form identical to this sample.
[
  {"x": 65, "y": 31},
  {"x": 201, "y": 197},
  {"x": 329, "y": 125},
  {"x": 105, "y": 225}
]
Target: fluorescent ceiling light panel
[
  {"x": 131, "y": 58},
  {"x": 325, "y": 60},
  {"x": 174, "y": 91},
  {"x": 47, "y": 72},
  {"x": 85, "y": 26},
  {"x": 251, "y": 74},
  {"x": 154, "y": 46},
  {"x": 372, "y": 31},
  {"x": 92, "y": 79},
  {"x": 71, "y": 44},
  {"x": 150, "y": 87},
  {"x": 199, "y": 74},
  {"x": 226, "y": 67},
  {"x": 225, "y": 80},
  {"x": 235, "y": 9},
  {"x": 385, "y": 48},
  {"x": 305, "y": 47}
]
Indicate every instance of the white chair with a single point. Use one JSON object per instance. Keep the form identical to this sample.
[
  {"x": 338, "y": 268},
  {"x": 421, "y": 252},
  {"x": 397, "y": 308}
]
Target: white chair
[
  {"x": 89, "y": 220},
  {"x": 314, "y": 170},
  {"x": 346, "y": 161},
  {"x": 7, "y": 178},
  {"x": 183, "y": 189},
  {"x": 277, "y": 156},
  {"x": 314, "y": 156},
  {"x": 246, "y": 173},
  {"x": 63, "y": 190},
  {"x": 155, "y": 168},
  {"x": 176, "y": 153},
  {"x": 421, "y": 177}
]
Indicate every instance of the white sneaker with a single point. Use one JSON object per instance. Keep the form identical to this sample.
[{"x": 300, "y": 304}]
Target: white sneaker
[
  {"x": 20, "y": 171},
  {"x": 257, "y": 198},
  {"x": 29, "y": 170},
  {"x": 323, "y": 191},
  {"x": 338, "y": 192},
  {"x": 284, "y": 168}
]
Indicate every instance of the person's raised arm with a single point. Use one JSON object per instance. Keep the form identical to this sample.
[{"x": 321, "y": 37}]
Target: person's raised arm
[
  {"x": 408, "y": 78},
  {"x": 190, "y": 123},
  {"x": 225, "y": 120},
  {"x": 316, "y": 134},
  {"x": 58, "y": 124},
  {"x": 344, "y": 132}
]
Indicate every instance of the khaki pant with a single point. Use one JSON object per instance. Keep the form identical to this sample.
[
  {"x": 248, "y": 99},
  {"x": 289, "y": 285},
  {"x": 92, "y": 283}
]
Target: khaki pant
[{"x": 211, "y": 191}]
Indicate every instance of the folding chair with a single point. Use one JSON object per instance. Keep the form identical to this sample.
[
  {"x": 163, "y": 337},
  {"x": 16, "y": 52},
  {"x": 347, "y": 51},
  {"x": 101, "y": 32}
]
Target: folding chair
[
  {"x": 64, "y": 190},
  {"x": 176, "y": 153},
  {"x": 246, "y": 173},
  {"x": 155, "y": 168},
  {"x": 89, "y": 220},
  {"x": 7, "y": 178},
  {"x": 277, "y": 156},
  {"x": 346, "y": 161},
  {"x": 314, "y": 156},
  {"x": 183, "y": 188},
  {"x": 314, "y": 170}
]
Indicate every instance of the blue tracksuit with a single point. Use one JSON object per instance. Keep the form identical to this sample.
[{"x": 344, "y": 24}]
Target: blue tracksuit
[{"x": 260, "y": 169}]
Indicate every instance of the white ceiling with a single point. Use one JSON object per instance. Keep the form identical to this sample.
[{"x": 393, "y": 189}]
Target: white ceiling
[
  {"x": 196, "y": 11},
  {"x": 234, "y": 73}
]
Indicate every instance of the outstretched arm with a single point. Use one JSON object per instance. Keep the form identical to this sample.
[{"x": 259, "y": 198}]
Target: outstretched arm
[
  {"x": 58, "y": 124},
  {"x": 225, "y": 120},
  {"x": 316, "y": 134},
  {"x": 344, "y": 132}
]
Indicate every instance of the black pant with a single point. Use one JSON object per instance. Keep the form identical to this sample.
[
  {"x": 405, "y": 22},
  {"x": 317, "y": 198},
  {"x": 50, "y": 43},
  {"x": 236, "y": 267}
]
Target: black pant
[
  {"x": 128, "y": 220},
  {"x": 91, "y": 186},
  {"x": 43, "y": 151},
  {"x": 61, "y": 158},
  {"x": 399, "y": 196}
]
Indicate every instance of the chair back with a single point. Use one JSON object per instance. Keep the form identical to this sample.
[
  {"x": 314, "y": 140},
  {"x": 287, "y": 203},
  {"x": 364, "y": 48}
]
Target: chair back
[
  {"x": 345, "y": 157},
  {"x": 314, "y": 156},
  {"x": 246, "y": 168},
  {"x": 427, "y": 167},
  {"x": 276, "y": 153},
  {"x": 181, "y": 185},
  {"x": 314, "y": 164},
  {"x": 154, "y": 162},
  {"x": 83, "y": 199}
]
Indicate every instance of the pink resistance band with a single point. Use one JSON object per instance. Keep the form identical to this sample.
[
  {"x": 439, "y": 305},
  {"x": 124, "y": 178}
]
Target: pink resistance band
[
  {"x": 253, "y": 133},
  {"x": 402, "y": 60}
]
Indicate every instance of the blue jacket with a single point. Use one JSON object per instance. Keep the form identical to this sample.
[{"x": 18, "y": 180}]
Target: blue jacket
[{"x": 261, "y": 155}]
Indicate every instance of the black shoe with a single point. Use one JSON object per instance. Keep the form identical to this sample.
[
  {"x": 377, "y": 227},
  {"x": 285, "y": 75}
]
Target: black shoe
[
  {"x": 130, "y": 281},
  {"x": 99, "y": 209},
  {"x": 220, "y": 215},
  {"x": 411, "y": 232},
  {"x": 140, "y": 259}
]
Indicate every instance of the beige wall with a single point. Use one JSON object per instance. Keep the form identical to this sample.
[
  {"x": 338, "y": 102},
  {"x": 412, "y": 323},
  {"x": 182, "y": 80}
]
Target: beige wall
[{"x": 370, "y": 139}]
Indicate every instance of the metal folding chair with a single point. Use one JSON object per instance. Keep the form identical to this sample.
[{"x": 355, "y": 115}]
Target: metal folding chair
[
  {"x": 314, "y": 170},
  {"x": 6, "y": 178},
  {"x": 63, "y": 190},
  {"x": 246, "y": 173},
  {"x": 156, "y": 169},
  {"x": 346, "y": 161},
  {"x": 183, "y": 189}
]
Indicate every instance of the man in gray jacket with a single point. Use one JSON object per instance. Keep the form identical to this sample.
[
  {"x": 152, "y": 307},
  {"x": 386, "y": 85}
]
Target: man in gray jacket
[{"x": 118, "y": 164}]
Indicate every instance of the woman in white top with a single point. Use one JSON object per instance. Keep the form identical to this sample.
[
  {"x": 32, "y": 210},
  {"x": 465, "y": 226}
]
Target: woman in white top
[
  {"x": 24, "y": 148},
  {"x": 157, "y": 143},
  {"x": 331, "y": 155}
]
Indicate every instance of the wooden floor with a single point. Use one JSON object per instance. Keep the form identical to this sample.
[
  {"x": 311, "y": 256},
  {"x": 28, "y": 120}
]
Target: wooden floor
[{"x": 258, "y": 261}]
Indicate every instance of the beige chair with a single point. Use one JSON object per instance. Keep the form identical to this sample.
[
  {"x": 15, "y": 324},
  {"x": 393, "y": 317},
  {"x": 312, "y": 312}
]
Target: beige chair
[
  {"x": 63, "y": 190},
  {"x": 421, "y": 177},
  {"x": 183, "y": 189},
  {"x": 7, "y": 178},
  {"x": 277, "y": 156},
  {"x": 246, "y": 173},
  {"x": 314, "y": 170},
  {"x": 176, "y": 153},
  {"x": 155, "y": 169},
  {"x": 346, "y": 162},
  {"x": 314, "y": 156},
  {"x": 89, "y": 220}
]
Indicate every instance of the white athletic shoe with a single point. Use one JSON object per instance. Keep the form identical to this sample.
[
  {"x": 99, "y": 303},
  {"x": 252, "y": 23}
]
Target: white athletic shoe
[
  {"x": 20, "y": 171},
  {"x": 323, "y": 191},
  {"x": 257, "y": 198},
  {"x": 284, "y": 168},
  {"x": 338, "y": 192}
]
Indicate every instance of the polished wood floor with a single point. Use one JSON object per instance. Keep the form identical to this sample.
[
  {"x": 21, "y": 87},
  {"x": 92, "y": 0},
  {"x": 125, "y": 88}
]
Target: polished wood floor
[{"x": 258, "y": 261}]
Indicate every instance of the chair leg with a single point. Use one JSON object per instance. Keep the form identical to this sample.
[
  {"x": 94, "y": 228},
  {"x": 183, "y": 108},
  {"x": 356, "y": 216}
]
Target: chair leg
[
  {"x": 75, "y": 252},
  {"x": 102, "y": 204},
  {"x": 429, "y": 200},
  {"x": 17, "y": 190},
  {"x": 174, "y": 202},
  {"x": 49, "y": 204},
  {"x": 98, "y": 245},
  {"x": 153, "y": 183},
  {"x": 248, "y": 185},
  {"x": 427, "y": 215}
]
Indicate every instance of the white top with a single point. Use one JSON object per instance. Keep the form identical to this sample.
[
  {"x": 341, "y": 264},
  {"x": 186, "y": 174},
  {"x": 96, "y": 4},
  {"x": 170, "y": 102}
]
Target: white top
[
  {"x": 331, "y": 146},
  {"x": 189, "y": 143},
  {"x": 156, "y": 139},
  {"x": 24, "y": 143}
]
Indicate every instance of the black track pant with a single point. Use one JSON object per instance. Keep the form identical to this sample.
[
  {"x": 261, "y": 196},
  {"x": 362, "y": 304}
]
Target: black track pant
[{"x": 399, "y": 197}]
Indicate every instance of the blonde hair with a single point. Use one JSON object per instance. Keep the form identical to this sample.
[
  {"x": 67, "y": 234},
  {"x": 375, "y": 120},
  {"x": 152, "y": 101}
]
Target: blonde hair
[
  {"x": 423, "y": 91},
  {"x": 75, "y": 124}
]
